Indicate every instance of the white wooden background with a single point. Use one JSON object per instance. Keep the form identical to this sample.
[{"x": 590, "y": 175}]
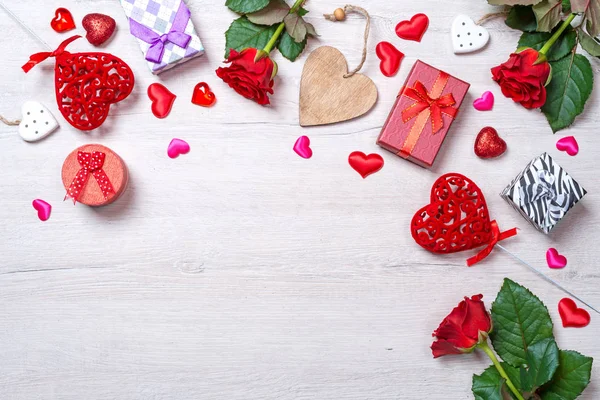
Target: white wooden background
[{"x": 240, "y": 270}]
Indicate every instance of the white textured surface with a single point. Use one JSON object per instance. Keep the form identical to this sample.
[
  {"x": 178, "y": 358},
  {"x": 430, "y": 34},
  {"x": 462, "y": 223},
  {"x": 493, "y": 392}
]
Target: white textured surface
[{"x": 240, "y": 270}]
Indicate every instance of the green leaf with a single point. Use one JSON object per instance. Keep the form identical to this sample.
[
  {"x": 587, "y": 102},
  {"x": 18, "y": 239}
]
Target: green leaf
[
  {"x": 246, "y": 6},
  {"x": 289, "y": 48},
  {"x": 589, "y": 44},
  {"x": 302, "y": 11},
  {"x": 591, "y": 8},
  {"x": 563, "y": 46},
  {"x": 491, "y": 386},
  {"x": 243, "y": 34},
  {"x": 513, "y": 2},
  {"x": 571, "y": 378},
  {"x": 520, "y": 320},
  {"x": 295, "y": 26},
  {"x": 571, "y": 86},
  {"x": 272, "y": 14},
  {"x": 547, "y": 13},
  {"x": 542, "y": 362},
  {"x": 522, "y": 18},
  {"x": 566, "y": 5}
]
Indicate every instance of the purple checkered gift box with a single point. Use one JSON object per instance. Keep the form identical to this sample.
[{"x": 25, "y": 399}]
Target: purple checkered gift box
[{"x": 164, "y": 30}]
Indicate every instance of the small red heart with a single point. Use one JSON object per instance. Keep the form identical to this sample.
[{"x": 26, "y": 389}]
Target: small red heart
[
  {"x": 203, "y": 96},
  {"x": 162, "y": 100},
  {"x": 488, "y": 144},
  {"x": 99, "y": 28},
  {"x": 571, "y": 316},
  {"x": 63, "y": 20},
  {"x": 413, "y": 29},
  {"x": 364, "y": 164},
  {"x": 390, "y": 58}
]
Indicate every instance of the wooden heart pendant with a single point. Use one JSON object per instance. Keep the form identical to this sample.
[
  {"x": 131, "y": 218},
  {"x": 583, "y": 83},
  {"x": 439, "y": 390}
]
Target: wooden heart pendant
[{"x": 326, "y": 97}]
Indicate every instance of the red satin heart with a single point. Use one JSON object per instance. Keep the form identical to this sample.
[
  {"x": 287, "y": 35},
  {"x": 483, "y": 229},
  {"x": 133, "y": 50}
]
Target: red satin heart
[
  {"x": 571, "y": 316},
  {"x": 63, "y": 20},
  {"x": 488, "y": 144},
  {"x": 364, "y": 164},
  {"x": 99, "y": 28},
  {"x": 162, "y": 100},
  {"x": 390, "y": 58},
  {"x": 413, "y": 29},
  {"x": 457, "y": 218},
  {"x": 203, "y": 96}
]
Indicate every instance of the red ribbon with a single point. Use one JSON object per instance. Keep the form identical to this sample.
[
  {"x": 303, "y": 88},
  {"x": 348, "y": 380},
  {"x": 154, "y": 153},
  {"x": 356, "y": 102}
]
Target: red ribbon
[
  {"x": 91, "y": 164},
  {"x": 37, "y": 58},
  {"x": 497, "y": 236},
  {"x": 435, "y": 103}
]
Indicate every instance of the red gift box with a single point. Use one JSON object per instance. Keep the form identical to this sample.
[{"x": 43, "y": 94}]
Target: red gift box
[{"x": 422, "y": 114}]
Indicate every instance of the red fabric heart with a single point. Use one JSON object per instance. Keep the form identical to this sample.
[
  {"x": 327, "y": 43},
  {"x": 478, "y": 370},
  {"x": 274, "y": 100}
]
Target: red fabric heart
[
  {"x": 63, "y": 20},
  {"x": 489, "y": 144},
  {"x": 413, "y": 29},
  {"x": 162, "y": 100},
  {"x": 571, "y": 316},
  {"x": 390, "y": 58},
  {"x": 203, "y": 96},
  {"x": 99, "y": 28},
  {"x": 457, "y": 219},
  {"x": 364, "y": 164}
]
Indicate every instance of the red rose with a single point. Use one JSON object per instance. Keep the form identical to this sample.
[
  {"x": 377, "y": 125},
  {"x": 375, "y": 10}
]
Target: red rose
[
  {"x": 466, "y": 326},
  {"x": 522, "y": 79},
  {"x": 252, "y": 79}
]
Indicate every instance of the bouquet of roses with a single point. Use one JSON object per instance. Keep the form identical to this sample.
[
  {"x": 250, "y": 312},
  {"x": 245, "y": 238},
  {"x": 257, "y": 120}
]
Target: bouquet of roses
[
  {"x": 520, "y": 329},
  {"x": 545, "y": 71}
]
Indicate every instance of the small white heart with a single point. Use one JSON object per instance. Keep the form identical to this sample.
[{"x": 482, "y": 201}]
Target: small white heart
[
  {"x": 37, "y": 122},
  {"x": 466, "y": 36}
]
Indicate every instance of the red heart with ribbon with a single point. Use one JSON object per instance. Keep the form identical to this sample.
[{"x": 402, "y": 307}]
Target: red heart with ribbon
[
  {"x": 203, "y": 96},
  {"x": 457, "y": 219},
  {"x": 86, "y": 84}
]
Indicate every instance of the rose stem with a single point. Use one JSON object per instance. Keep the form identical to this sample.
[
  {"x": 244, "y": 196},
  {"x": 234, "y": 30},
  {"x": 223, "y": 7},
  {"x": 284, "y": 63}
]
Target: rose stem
[
  {"x": 557, "y": 34},
  {"x": 486, "y": 348},
  {"x": 281, "y": 27}
]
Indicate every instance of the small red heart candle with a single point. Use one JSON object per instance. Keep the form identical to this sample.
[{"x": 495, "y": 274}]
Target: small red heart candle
[{"x": 94, "y": 175}]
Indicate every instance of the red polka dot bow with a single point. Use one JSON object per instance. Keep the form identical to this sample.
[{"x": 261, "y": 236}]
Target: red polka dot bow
[{"x": 91, "y": 164}]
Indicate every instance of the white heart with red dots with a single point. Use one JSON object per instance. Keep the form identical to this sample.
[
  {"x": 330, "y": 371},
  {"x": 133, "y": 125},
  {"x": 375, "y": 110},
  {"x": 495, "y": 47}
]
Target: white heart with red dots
[
  {"x": 37, "y": 122},
  {"x": 467, "y": 36}
]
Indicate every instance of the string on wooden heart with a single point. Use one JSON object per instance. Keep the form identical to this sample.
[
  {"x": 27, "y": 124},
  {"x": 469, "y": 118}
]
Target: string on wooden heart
[
  {"x": 335, "y": 17},
  {"x": 9, "y": 122}
]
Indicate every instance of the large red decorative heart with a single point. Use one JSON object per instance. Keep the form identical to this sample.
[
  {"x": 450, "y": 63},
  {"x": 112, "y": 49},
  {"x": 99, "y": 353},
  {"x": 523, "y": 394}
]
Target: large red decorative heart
[
  {"x": 62, "y": 21},
  {"x": 99, "y": 28},
  {"x": 413, "y": 29},
  {"x": 571, "y": 316},
  {"x": 203, "y": 96},
  {"x": 86, "y": 84},
  {"x": 162, "y": 100},
  {"x": 489, "y": 144},
  {"x": 364, "y": 164},
  {"x": 390, "y": 58}
]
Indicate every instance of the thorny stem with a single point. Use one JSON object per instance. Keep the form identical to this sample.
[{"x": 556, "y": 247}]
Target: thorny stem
[{"x": 557, "y": 34}]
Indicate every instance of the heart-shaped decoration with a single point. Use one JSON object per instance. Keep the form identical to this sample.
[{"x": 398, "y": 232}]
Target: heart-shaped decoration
[
  {"x": 326, "y": 96},
  {"x": 555, "y": 260},
  {"x": 99, "y": 28},
  {"x": 37, "y": 122},
  {"x": 414, "y": 29},
  {"x": 571, "y": 316},
  {"x": 489, "y": 144},
  {"x": 364, "y": 164},
  {"x": 456, "y": 219},
  {"x": 43, "y": 209},
  {"x": 485, "y": 102},
  {"x": 177, "y": 147},
  {"x": 302, "y": 147},
  {"x": 62, "y": 21},
  {"x": 390, "y": 58},
  {"x": 203, "y": 96},
  {"x": 568, "y": 144},
  {"x": 467, "y": 36},
  {"x": 162, "y": 100}
]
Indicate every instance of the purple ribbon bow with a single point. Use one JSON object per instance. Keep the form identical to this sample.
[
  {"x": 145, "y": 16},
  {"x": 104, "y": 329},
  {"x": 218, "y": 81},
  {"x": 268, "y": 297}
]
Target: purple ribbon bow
[{"x": 157, "y": 42}]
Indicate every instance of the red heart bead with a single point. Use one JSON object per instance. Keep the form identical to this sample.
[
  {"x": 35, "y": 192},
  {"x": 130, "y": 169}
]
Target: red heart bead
[
  {"x": 488, "y": 144},
  {"x": 571, "y": 316},
  {"x": 203, "y": 96},
  {"x": 63, "y": 20},
  {"x": 364, "y": 164},
  {"x": 162, "y": 100},
  {"x": 99, "y": 28},
  {"x": 390, "y": 58},
  {"x": 413, "y": 29}
]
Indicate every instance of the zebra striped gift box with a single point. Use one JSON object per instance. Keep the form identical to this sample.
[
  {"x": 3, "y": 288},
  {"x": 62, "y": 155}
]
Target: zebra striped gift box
[{"x": 543, "y": 193}]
